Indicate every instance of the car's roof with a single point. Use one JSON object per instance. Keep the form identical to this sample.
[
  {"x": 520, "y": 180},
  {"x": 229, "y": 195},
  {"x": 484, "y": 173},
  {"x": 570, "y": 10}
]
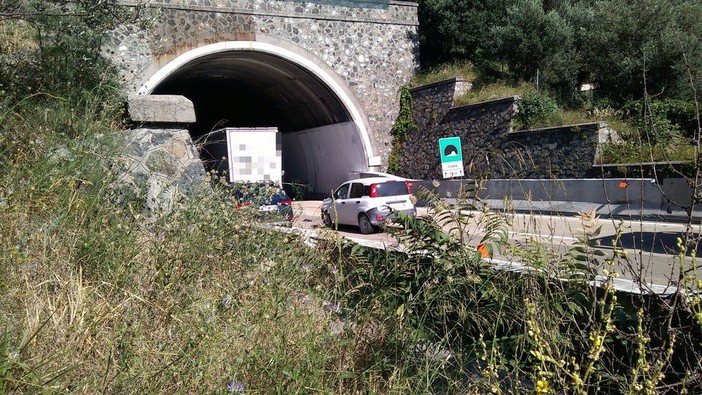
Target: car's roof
[
  {"x": 380, "y": 174},
  {"x": 373, "y": 180}
]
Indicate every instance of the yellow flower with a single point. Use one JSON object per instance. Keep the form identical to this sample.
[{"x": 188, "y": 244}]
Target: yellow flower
[{"x": 541, "y": 386}]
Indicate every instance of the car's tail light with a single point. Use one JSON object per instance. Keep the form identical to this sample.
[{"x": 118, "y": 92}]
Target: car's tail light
[
  {"x": 379, "y": 217},
  {"x": 373, "y": 190},
  {"x": 285, "y": 202},
  {"x": 409, "y": 186}
]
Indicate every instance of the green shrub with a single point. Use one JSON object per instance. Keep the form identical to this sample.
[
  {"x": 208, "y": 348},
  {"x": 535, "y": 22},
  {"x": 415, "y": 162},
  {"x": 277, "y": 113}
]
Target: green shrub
[
  {"x": 55, "y": 47},
  {"x": 662, "y": 121},
  {"x": 404, "y": 125},
  {"x": 537, "y": 109},
  {"x": 679, "y": 112}
]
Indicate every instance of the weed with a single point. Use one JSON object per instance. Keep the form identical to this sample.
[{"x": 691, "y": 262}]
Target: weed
[{"x": 444, "y": 72}]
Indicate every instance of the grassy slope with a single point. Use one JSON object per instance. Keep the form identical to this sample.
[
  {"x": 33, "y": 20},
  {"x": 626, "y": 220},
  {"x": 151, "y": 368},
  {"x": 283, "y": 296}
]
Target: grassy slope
[{"x": 94, "y": 298}]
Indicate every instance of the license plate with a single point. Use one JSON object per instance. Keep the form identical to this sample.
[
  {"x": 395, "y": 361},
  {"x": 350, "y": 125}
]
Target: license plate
[{"x": 268, "y": 208}]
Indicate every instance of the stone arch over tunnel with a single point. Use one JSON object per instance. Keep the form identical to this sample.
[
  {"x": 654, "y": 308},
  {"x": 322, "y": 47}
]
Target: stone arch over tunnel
[{"x": 324, "y": 132}]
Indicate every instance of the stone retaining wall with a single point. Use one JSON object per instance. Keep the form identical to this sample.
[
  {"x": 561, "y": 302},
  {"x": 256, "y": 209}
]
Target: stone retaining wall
[
  {"x": 161, "y": 164},
  {"x": 490, "y": 147},
  {"x": 560, "y": 152}
]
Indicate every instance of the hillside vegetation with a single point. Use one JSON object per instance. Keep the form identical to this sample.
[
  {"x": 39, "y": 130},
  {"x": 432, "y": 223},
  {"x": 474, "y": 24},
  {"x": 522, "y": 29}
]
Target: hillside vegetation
[
  {"x": 649, "y": 137},
  {"x": 98, "y": 297},
  {"x": 635, "y": 64}
]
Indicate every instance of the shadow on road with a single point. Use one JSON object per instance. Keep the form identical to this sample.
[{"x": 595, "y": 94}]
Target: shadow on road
[{"x": 656, "y": 242}]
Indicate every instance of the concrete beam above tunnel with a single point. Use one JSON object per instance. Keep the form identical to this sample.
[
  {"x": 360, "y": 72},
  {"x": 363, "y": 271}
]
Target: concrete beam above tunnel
[{"x": 172, "y": 109}]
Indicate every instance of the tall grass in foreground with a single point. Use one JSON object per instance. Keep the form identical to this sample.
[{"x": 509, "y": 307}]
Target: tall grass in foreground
[
  {"x": 466, "y": 327},
  {"x": 95, "y": 299}
]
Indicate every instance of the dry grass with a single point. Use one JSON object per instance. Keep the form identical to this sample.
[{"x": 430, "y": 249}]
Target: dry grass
[
  {"x": 493, "y": 91},
  {"x": 445, "y": 72},
  {"x": 17, "y": 35}
]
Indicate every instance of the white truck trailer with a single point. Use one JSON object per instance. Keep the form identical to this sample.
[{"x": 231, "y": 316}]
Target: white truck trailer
[{"x": 245, "y": 154}]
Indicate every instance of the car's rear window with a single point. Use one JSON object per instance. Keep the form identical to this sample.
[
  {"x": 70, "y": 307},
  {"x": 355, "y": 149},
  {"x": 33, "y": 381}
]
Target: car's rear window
[{"x": 388, "y": 189}]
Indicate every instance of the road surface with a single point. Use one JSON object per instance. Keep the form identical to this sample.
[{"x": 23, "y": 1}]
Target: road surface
[{"x": 651, "y": 247}]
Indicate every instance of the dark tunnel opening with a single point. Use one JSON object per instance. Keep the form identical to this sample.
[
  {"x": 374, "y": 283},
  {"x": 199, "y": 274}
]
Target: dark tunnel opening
[{"x": 254, "y": 89}]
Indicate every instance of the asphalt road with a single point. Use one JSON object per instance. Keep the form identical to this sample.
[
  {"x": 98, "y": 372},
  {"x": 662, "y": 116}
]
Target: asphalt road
[{"x": 651, "y": 247}]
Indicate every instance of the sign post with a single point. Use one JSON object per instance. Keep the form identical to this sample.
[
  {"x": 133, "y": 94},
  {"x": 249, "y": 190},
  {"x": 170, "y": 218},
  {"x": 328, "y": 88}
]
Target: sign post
[{"x": 451, "y": 157}]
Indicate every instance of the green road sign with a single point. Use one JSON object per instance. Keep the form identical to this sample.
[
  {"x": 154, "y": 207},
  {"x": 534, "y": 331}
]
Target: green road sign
[
  {"x": 451, "y": 157},
  {"x": 450, "y": 149}
]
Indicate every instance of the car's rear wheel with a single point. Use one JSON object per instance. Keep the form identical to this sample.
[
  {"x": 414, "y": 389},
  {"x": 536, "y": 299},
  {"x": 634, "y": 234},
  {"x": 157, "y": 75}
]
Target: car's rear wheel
[
  {"x": 365, "y": 225},
  {"x": 326, "y": 219}
]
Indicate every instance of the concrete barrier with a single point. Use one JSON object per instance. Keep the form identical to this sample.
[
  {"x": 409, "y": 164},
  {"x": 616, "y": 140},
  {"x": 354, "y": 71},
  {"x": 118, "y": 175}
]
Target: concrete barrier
[{"x": 641, "y": 198}]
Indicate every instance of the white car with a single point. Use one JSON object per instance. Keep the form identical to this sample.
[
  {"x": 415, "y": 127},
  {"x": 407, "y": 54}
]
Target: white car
[{"x": 368, "y": 203}]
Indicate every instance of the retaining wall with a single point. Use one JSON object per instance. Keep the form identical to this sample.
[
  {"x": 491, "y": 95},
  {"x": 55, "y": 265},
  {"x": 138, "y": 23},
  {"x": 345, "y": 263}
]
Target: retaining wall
[{"x": 491, "y": 148}]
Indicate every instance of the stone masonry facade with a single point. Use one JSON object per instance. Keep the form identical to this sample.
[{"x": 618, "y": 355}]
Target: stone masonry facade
[
  {"x": 162, "y": 164},
  {"x": 490, "y": 147},
  {"x": 372, "y": 46},
  {"x": 159, "y": 163}
]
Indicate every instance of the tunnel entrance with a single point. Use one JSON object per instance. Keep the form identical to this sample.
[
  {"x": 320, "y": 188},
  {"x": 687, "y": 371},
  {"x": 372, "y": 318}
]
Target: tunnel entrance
[{"x": 249, "y": 84}]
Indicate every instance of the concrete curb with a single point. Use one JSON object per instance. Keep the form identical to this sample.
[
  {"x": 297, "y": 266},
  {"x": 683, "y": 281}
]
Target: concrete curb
[{"x": 617, "y": 211}]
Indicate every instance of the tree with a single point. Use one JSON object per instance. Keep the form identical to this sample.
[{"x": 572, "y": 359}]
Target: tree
[
  {"x": 537, "y": 45},
  {"x": 624, "y": 46},
  {"x": 59, "y": 43},
  {"x": 643, "y": 44},
  {"x": 457, "y": 29}
]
